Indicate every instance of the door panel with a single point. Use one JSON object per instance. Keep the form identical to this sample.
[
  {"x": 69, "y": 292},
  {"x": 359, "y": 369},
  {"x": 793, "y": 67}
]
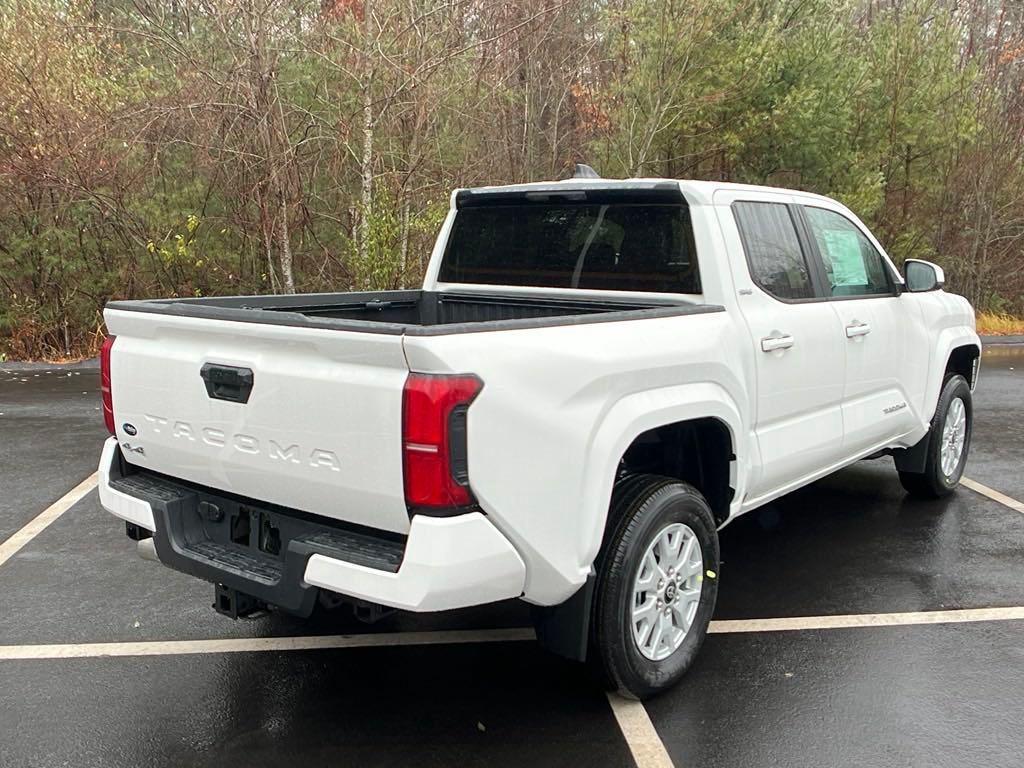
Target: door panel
[
  {"x": 883, "y": 370},
  {"x": 882, "y": 358},
  {"x": 799, "y": 422},
  {"x": 799, "y": 359}
]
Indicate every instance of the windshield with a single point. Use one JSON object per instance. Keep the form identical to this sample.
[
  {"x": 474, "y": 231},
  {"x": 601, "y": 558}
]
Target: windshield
[{"x": 618, "y": 247}]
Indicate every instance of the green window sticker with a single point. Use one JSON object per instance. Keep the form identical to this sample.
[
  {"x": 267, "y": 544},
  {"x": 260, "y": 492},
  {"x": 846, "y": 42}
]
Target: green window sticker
[{"x": 843, "y": 249}]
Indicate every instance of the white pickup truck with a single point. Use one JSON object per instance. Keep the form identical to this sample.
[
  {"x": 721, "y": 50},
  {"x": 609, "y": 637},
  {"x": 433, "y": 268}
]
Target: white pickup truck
[{"x": 596, "y": 376}]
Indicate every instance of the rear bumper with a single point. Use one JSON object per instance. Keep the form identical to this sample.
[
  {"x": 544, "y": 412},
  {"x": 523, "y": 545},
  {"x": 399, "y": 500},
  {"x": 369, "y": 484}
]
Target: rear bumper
[{"x": 443, "y": 563}]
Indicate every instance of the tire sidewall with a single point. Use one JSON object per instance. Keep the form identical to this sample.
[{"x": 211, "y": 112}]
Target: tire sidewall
[{"x": 630, "y": 670}]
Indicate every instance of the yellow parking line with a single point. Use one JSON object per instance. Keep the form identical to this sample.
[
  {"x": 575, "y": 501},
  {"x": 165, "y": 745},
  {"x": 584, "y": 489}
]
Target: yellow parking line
[
  {"x": 984, "y": 490},
  {"x": 40, "y": 522}
]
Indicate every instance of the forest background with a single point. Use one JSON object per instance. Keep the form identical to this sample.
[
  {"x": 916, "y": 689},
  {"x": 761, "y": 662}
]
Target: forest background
[{"x": 203, "y": 147}]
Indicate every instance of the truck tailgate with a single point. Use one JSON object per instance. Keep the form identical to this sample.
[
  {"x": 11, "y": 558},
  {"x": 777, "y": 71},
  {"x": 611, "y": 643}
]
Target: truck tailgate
[{"x": 319, "y": 431}]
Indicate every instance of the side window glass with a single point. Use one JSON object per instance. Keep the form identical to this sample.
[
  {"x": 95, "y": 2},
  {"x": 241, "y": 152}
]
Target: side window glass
[
  {"x": 853, "y": 266},
  {"x": 776, "y": 260}
]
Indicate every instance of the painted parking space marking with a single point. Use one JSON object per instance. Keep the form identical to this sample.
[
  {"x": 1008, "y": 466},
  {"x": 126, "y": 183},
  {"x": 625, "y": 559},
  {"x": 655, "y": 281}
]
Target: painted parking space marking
[
  {"x": 257, "y": 644},
  {"x": 866, "y": 620},
  {"x": 42, "y": 521},
  {"x": 641, "y": 736},
  {"x": 448, "y": 637},
  {"x": 995, "y": 495}
]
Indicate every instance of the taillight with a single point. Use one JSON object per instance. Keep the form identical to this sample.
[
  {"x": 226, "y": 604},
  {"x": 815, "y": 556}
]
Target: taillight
[
  {"x": 108, "y": 399},
  {"x": 434, "y": 411}
]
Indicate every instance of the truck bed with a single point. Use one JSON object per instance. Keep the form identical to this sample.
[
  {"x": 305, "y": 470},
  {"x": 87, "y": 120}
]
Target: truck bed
[{"x": 417, "y": 313}]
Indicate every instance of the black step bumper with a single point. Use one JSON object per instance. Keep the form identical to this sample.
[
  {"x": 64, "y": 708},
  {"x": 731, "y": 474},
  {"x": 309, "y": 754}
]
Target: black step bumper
[{"x": 258, "y": 549}]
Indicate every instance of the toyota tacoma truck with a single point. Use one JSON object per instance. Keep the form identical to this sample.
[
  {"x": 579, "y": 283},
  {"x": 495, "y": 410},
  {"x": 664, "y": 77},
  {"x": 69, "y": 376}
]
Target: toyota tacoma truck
[{"x": 596, "y": 376}]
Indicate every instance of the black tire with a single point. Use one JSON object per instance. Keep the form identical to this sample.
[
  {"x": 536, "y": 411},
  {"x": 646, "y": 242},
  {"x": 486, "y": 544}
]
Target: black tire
[
  {"x": 933, "y": 483},
  {"x": 642, "y": 507}
]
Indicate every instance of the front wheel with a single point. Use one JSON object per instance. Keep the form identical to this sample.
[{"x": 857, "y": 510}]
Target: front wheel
[
  {"x": 949, "y": 440},
  {"x": 657, "y": 580}
]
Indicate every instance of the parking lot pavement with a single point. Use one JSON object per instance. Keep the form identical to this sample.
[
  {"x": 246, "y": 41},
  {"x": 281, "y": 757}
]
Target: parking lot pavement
[
  {"x": 850, "y": 544},
  {"x": 50, "y": 425},
  {"x": 499, "y": 704},
  {"x": 907, "y": 696},
  {"x": 998, "y": 449}
]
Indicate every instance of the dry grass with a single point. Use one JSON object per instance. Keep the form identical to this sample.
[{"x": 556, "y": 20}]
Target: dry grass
[{"x": 992, "y": 324}]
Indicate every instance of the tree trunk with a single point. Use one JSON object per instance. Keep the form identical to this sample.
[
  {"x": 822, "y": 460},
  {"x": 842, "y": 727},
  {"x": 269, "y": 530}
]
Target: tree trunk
[
  {"x": 366, "y": 165},
  {"x": 286, "y": 249},
  {"x": 403, "y": 262}
]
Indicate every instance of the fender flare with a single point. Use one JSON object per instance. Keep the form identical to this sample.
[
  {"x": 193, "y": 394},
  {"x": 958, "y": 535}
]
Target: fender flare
[
  {"x": 630, "y": 417},
  {"x": 949, "y": 340}
]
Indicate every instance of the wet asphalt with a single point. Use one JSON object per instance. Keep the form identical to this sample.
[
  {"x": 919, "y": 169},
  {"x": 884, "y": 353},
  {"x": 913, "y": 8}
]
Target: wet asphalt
[{"x": 852, "y": 543}]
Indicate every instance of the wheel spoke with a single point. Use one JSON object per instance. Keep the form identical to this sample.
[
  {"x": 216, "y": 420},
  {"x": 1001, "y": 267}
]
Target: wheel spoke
[
  {"x": 644, "y": 610},
  {"x": 689, "y": 595},
  {"x": 643, "y": 635},
  {"x": 649, "y": 573},
  {"x": 659, "y": 631},
  {"x": 668, "y": 550},
  {"x": 687, "y": 552},
  {"x": 690, "y": 569},
  {"x": 682, "y": 614}
]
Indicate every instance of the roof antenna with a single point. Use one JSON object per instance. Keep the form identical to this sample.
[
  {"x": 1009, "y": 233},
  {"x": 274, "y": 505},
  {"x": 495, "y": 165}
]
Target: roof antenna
[{"x": 585, "y": 172}]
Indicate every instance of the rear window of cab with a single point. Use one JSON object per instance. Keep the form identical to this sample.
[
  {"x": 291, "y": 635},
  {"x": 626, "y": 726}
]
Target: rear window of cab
[{"x": 586, "y": 245}]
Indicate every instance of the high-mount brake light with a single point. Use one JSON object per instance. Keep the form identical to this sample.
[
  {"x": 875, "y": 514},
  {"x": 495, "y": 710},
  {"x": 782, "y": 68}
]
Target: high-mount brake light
[
  {"x": 434, "y": 448},
  {"x": 108, "y": 397}
]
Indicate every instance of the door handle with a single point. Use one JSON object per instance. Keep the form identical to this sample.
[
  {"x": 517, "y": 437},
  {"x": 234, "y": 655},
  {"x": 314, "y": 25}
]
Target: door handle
[
  {"x": 855, "y": 329},
  {"x": 776, "y": 341}
]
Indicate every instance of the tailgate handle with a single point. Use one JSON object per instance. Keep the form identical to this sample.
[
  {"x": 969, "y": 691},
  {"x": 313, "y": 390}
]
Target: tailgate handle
[{"x": 227, "y": 382}]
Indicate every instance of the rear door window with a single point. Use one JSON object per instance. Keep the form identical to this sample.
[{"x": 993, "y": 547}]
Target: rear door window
[
  {"x": 777, "y": 262},
  {"x": 612, "y": 246}
]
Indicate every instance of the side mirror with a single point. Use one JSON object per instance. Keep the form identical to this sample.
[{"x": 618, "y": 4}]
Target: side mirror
[{"x": 921, "y": 276}]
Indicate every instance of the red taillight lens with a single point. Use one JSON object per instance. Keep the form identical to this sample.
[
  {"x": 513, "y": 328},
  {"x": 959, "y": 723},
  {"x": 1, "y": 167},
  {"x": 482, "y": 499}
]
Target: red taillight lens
[
  {"x": 108, "y": 399},
  {"x": 434, "y": 412}
]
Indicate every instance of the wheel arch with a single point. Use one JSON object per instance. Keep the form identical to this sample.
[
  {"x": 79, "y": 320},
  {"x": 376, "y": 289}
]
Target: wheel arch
[
  {"x": 673, "y": 417},
  {"x": 961, "y": 357},
  {"x": 695, "y": 451},
  {"x": 955, "y": 348},
  {"x": 963, "y": 360}
]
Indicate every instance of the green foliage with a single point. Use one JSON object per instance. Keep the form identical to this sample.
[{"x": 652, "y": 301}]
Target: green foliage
[{"x": 383, "y": 269}]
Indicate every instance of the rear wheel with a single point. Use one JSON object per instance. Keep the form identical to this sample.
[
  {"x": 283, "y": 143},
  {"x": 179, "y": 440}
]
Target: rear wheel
[
  {"x": 949, "y": 440},
  {"x": 656, "y": 585}
]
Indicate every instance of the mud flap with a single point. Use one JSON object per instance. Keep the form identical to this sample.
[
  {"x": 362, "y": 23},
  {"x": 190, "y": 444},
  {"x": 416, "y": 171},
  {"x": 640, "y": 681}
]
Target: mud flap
[
  {"x": 913, "y": 459},
  {"x": 564, "y": 629}
]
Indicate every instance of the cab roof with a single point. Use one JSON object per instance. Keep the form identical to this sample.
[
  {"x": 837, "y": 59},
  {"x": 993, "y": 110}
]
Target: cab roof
[{"x": 686, "y": 190}]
